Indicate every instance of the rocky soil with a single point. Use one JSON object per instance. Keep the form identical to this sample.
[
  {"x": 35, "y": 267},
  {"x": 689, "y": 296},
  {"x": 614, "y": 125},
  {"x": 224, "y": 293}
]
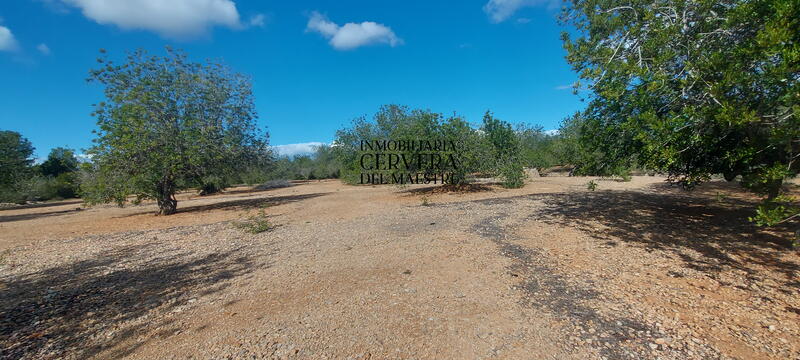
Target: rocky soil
[{"x": 633, "y": 270}]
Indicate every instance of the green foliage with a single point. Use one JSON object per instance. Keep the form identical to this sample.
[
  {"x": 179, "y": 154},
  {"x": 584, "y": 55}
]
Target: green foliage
[
  {"x": 16, "y": 158},
  {"x": 513, "y": 174},
  {"x": 591, "y": 185},
  {"x": 213, "y": 184},
  {"x": 562, "y": 148},
  {"x": 495, "y": 149},
  {"x": 322, "y": 164},
  {"x": 690, "y": 88},
  {"x": 255, "y": 171},
  {"x": 63, "y": 186},
  {"x": 623, "y": 174},
  {"x": 256, "y": 224},
  {"x": 42, "y": 188},
  {"x": 537, "y": 149},
  {"x": 21, "y": 181},
  {"x": 166, "y": 125},
  {"x": 505, "y": 151},
  {"x": 61, "y": 160},
  {"x": 393, "y": 122},
  {"x": 775, "y": 211},
  {"x": 425, "y": 201}
]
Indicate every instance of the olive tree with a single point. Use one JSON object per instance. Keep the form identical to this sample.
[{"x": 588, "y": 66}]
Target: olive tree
[
  {"x": 692, "y": 88},
  {"x": 166, "y": 124}
]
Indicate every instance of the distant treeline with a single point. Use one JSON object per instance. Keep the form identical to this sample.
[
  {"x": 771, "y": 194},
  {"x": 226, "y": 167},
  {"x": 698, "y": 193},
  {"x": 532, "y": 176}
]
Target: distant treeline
[{"x": 494, "y": 148}]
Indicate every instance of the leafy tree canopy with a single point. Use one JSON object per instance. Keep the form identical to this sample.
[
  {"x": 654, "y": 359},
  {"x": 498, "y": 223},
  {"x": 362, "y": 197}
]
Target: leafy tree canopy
[
  {"x": 392, "y": 122},
  {"x": 61, "y": 160},
  {"x": 15, "y": 157},
  {"x": 691, "y": 88},
  {"x": 167, "y": 124}
]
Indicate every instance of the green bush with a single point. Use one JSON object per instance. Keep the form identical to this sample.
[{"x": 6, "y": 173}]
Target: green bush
[
  {"x": 42, "y": 188},
  {"x": 212, "y": 184},
  {"x": 513, "y": 175},
  {"x": 256, "y": 224}
]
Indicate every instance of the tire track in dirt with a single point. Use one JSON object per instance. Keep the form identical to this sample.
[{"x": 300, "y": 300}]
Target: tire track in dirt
[{"x": 544, "y": 288}]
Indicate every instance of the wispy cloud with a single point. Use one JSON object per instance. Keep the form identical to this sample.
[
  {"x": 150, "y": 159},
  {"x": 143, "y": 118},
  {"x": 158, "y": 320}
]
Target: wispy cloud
[
  {"x": 500, "y": 10},
  {"x": 257, "y": 20},
  {"x": 297, "y": 149},
  {"x": 564, "y": 87},
  {"x": 7, "y": 40},
  {"x": 352, "y": 35},
  {"x": 43, "y": 48}
]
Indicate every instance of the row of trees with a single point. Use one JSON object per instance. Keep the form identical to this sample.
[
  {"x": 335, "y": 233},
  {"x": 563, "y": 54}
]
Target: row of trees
[
  {"x": 21, "y": 180},
  {"x": 493, "y": 149},
  {"x": 690, "y": 89},
  {"x": 148, "y": 158},
  {"x": 321, "y": 164}
]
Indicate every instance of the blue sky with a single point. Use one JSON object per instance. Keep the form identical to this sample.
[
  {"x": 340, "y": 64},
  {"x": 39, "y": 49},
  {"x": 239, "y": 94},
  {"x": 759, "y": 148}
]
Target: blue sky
[{"x": 315, "y": 64}]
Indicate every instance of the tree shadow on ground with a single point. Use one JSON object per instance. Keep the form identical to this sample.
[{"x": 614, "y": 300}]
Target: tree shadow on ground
[
  {"x": 676, "y": 222},
  {"x": 44, "y": 204},
  {"x": 239, "y": 204},
  {"x": 250, "y": 203},
  {"x": 104, "y": 303},
  {"x": 253, "y": 189},
  {"x": 242, "y": 191},
  {"x": 22, "y": 217},
  {"x": 449, "y": 188}
]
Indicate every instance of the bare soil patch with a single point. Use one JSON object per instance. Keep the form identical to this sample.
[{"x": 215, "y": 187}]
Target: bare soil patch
[{"x": 550, "y": 271}]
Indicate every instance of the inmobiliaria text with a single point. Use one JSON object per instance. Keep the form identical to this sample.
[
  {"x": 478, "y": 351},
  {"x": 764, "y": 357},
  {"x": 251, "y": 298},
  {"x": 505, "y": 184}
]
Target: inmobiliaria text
[{"x": 408, "y": 161}]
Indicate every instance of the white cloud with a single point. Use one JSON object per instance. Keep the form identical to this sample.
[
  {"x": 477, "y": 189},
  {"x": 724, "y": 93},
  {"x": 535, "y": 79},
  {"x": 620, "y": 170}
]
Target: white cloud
[
  {"x": 296, "y": 149},
  {"x": 173, "y": 18},
  {"x": 257, "y": 20},
  {"x": 43, "y": 48},
  {"x": 351, "y": 35},
  {"x": 552, "y": 132},
  {"x": 7, "y": 40},
  {"x": 501, "y": 10}
]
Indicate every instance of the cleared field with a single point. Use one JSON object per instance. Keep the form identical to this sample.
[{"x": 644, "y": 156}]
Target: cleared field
[{"x": 550, "y": 271}]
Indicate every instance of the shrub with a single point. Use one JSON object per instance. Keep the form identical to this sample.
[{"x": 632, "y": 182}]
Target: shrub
[
  {"x": 424, "y": 201},
  {"x": 256, "y": 224},
  {"x": 513, "y": 175},
  {"x": 212, "y": 185}
]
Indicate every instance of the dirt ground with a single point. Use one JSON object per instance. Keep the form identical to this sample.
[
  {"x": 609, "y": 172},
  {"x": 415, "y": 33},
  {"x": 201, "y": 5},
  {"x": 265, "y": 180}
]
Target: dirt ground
[{"x": 632, "y": 270}]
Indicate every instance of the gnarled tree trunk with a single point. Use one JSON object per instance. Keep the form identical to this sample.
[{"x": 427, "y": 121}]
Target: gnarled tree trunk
[
  {"x": 167, "y": 205},
  {"x": 774, "y": 189}
]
